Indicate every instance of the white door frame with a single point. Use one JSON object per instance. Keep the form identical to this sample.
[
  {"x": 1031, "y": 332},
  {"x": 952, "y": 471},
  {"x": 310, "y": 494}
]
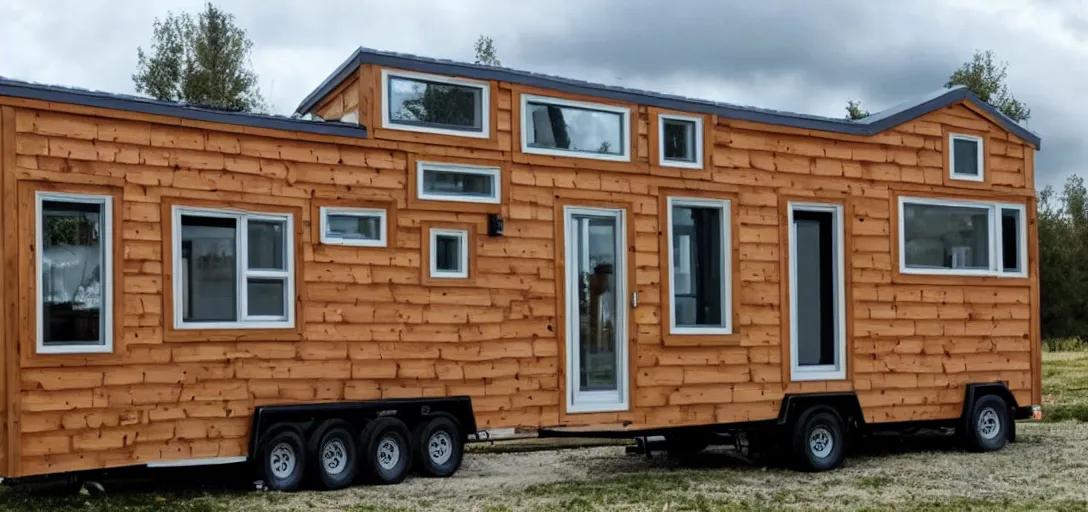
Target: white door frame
[
  {"x": 835, "y": 371},
  {"x": 595, "y": 401}
]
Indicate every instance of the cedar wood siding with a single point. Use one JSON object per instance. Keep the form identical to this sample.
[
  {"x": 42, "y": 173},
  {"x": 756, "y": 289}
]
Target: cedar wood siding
[{"x": 369, "y": 327}]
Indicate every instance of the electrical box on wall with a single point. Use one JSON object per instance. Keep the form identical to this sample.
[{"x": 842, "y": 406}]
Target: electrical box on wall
[{"x": 494, "y": 224}]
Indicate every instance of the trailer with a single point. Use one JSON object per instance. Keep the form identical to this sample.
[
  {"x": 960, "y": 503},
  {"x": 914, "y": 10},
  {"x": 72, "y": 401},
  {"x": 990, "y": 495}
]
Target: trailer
[{"x": 430, "y": 252}]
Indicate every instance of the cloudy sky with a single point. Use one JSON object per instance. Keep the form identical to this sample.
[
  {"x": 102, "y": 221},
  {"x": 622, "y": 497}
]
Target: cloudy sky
[{"x": 800, "y": 55}]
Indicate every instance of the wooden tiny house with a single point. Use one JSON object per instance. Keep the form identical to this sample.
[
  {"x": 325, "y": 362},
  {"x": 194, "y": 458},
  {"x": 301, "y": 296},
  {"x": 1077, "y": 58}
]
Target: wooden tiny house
[{"x": 569, "y": 256}]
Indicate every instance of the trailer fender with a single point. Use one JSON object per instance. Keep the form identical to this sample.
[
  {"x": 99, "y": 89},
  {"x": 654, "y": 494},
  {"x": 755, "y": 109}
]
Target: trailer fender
[
  {"x": 1001, "y": 390},
  {"x": 846, "y": 404}
]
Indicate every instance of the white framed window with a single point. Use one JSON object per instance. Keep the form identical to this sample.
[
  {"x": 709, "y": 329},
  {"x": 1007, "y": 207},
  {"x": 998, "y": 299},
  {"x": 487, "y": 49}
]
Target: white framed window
[
  {"x": 458, "y": 182},
  {"x": 962, "y": 237},
  {"x": 449, "y": 253},
  {"x": 233, "y": 269},
  {"x": 700, "y": 276},
  {"x": 680, "y": 141},
  {"x": 74, "y": 261},
  {"x": 557, "y": 127},
  {"x": 817, "y": 305},
  {"x": 436, "y": 104},
  {"x": 360, "y": 227},
  {"x": 966, "y": 157}
]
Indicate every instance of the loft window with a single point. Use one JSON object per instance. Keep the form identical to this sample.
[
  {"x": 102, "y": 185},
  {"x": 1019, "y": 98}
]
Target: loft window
[
  {"x": 550, "y": 126},
  {"x": 456, "y": 182},
  {"x": 435, "y": 104},
  {"x": 700, "y": 273},
  {"x": 965, "y": 157},
  {"x": 449, "y": 253},
  {"x": 938, "y": 236},
  {"x": 75, "y": 267},
  {"x": 362, "y": 227},
  {"x": 232, "y": 269},
  {"x": 680, "y": 141}
]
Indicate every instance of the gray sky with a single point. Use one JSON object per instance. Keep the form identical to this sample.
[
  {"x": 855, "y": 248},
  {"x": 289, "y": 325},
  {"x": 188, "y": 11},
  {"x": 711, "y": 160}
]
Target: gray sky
[{"x": 805, "y": 56}]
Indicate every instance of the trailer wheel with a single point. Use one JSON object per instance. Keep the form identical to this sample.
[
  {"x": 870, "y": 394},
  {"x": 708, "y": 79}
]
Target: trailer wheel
[
  {"x": 987, "y": 426},
  {"x": 819, "y": 440},
  {"x": 332, "y": 450},
  {"x": 283, "y": 460},
  {"x": 439, "y": 447},
  {"x": 387, "y": 451}
]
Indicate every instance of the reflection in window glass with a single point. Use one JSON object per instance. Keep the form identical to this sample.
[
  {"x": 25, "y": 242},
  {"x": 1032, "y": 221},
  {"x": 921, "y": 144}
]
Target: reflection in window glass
[
  {"x": 73, "y": 244},
  {"x": 1010, "y": 240},
  {"x": 679, "y": 140},
  {"x": 575, "y": 129},
  {"x": 353, "y": 226},
  {"x": 965, "y": 157},
  {"x": 209, "y": 269},
  {"x": 435, "y": 104},
  {"x": 698, "y": 261},
  {"x": 945, "y": 236},
  {"x": 450, "y": 183},
  {"x": 266, "y": 244},
  {"x": 447, "y": 253}
]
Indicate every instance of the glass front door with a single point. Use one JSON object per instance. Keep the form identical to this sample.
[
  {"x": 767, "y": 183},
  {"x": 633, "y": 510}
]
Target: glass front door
[{"x": 596, "y": 310}]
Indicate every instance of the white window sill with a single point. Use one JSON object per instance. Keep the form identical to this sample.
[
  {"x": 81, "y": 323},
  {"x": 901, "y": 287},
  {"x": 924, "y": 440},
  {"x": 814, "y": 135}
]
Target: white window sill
[
  {"x": 959, "y": 272},
  {"x": 194, "y": 326},
  {"x": 352, "y": 243},
  {"x": 967, "y": 177},
  {"x": 695, "y": 331},
  {"x": 590, "y": 407},
  {"x": 681, "y": 164},
  {"x": 575, "y": 154},
  {"x": 76, "y": 349},
  {"x": 810, "y": 373}
]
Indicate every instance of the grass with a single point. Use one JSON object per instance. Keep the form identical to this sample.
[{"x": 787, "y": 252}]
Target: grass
[{"x": 1045, "y": 470}]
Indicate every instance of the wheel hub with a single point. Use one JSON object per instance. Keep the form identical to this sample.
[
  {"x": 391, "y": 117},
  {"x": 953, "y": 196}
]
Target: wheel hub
[
  {"x": 388, "y": 452},
  {"x": 440, "y": 447},
  {"x": 282, "y": 460},
  {"x": 820, "y": 442},
  {"x": 335, "y": 457},
  {"x": 989, "y": 424}
]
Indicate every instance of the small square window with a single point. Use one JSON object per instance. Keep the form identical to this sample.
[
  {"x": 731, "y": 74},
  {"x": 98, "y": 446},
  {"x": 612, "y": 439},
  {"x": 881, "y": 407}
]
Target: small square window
[
  {"x": 455, "y": 182},
  {"x": 435, "y": 104},
  {"x": 449, "y": 253},
  {"x": 965, "y": 157},
  {"x": 362, "y": 227},
  {"x": 680, "y": 141}
]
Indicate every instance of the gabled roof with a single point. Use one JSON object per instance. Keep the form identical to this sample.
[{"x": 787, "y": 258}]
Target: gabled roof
[
  {"x": 870, "y": 125},
  {"x": 34, "y": 91}
]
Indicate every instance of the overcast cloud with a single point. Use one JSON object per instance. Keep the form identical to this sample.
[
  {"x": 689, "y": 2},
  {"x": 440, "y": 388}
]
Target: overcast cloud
[{"x": 798, "y": 55}]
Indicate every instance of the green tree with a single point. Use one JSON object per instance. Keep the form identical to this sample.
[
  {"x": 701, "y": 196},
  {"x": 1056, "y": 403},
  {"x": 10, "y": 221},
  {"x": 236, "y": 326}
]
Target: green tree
[
  {"x": 854, "y": 111},
  {"x": 1063, "y": 260},
  {"x": 485, "y": 52},
  {"x": 203, "y": 61},
  {"x": 986, "y": 78}
]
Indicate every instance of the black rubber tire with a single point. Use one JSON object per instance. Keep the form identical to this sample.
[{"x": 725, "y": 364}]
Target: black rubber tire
[
  {"x": 292, "y": 441},
  {"x": 395, "y": 431},
  {"x": 824, "y": 422},
  {"x": 683, "y": 445},
  {"x": 422, "y": 437},
  {"x": 994, "y": 408},
  {"x": 327, "y": 433}
]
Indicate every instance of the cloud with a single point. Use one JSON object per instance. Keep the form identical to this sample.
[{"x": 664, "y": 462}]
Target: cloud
[{"x": 784, "y": 54}]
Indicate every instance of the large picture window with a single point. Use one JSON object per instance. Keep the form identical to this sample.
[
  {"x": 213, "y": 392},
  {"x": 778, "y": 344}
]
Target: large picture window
[
  {"x": 938, "y": 236},
  {"x": 551, "y": 126},
  {"x": 75, "y": 273},
  {"x": 232, "y": 269},
  {"x": 700, "y": 270}
]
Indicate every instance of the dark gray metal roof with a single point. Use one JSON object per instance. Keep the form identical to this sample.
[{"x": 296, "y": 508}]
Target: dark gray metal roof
[
  {"x": 34, "y": 91},
  {"x": 871, "y": 125}
]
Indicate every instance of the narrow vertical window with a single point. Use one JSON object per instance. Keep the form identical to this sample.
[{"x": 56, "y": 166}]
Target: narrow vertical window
[
  {"x": 75, "y": 269},
  {"x": 449, "y": 253},
  {"x": 699, "y": 277},
  {"x": 965, "y": 157}
]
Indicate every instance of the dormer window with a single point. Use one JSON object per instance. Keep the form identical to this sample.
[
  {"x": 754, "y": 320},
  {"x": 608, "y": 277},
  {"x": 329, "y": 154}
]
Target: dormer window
[
  {"x": 435, "y": 104},
  {"x": 559, "y": 127},
  {"x": 965, "y": 157}
]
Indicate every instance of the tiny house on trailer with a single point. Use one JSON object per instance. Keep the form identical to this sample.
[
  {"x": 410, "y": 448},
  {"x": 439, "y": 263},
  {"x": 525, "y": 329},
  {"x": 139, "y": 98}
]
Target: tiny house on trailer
[{"x": 430, "y": 249}]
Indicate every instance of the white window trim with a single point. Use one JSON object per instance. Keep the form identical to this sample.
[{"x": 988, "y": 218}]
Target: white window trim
[
  {"x": 698, "y": 142},
  {"x": 952, "y": 174},
  {"x": 727, "y": 266},
  {"x": 597, "y": 401},
  {"x": 836, "y": 371},
  {"x": 383, "y": 229},
  {"x": 246, "y": 321},
  {"x": 996, "y": 262},
  {"x": 462, "y": 235},
  {"x": 625, "y": 116},
  {"x": 106, "y": 274},
  {"x": 485, "y": 104},
  {"x": 495, "y": 173}
]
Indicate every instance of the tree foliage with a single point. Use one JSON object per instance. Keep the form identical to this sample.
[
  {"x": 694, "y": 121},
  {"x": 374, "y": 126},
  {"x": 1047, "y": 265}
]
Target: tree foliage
[
  {"x": 485, "y": 52},
  {"x": 203, "y": 61},
  {"x": 854, "y": 111},
  {"x": 986, "y": 78},
  {"x": 1063, "y": 260}
]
